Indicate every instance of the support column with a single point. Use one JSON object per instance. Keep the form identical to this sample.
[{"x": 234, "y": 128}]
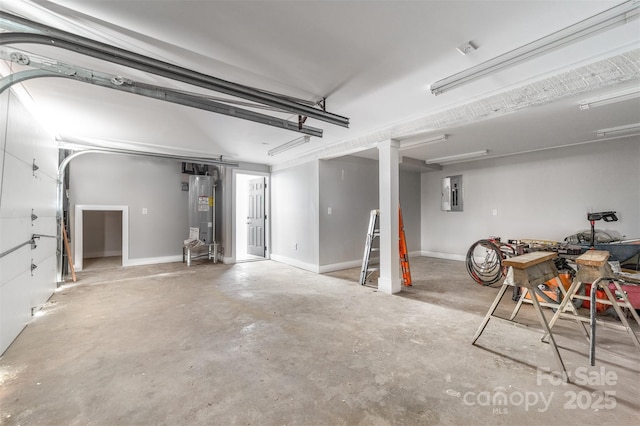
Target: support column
[{"x": 389, "y": 194}]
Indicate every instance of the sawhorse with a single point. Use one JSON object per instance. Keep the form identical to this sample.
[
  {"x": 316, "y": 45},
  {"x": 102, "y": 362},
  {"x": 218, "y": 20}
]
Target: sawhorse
[
  {"x": 593, "y": 267},
  {"x": 529, "y": 271}
]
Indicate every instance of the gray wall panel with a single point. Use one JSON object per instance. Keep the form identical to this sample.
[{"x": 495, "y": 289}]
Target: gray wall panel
[
  {"x": 294, "y": 215},
  {"x": 544, "y": 195},
  {"x": 136, "y": 182}
]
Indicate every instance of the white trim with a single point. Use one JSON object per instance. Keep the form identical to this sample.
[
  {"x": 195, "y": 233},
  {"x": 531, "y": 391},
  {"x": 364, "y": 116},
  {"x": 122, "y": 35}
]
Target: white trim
[
  {"x": 97, "y": 254},
  {"x": 153, "y": 260},
  {"x": 448, "y": 256},
  {"x": 267, "y": 209},
  {"x": 293, "y": 262},
  {"x": 332, "y": 267},
  {"x": 339, "y": 266},
  {"x": 77, "y": 246}
]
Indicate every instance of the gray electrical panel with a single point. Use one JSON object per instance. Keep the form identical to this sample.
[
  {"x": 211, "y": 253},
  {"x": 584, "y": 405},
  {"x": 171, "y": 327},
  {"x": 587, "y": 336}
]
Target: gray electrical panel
[
  {"x": 452, "y": 193},
  {"x": 202, "y": 208}
]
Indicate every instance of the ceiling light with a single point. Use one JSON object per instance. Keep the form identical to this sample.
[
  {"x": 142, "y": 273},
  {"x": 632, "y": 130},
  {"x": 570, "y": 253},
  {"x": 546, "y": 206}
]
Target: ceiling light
[
  {"x": 415, "y": 141},
  {"x": 617, "y": 15},
  {"x": 291, "y": 144},
  {"x": 611, "y": 99},
  {"x": 452, "y": 158},
  {"x": 627, "y": 130}
]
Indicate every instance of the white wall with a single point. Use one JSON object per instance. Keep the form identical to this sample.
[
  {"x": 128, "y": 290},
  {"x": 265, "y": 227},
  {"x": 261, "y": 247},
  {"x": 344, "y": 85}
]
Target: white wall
[
  {"x": 22, "y": 190},
  {"x": 137, "y": 182},
  {"x": 294, "y": 216},
  {"x": 543, "y": 195},
  {"x": 304, "y": 234},
  {"x": 410, "y": 184},
  {"x": 349, "y": 186}
]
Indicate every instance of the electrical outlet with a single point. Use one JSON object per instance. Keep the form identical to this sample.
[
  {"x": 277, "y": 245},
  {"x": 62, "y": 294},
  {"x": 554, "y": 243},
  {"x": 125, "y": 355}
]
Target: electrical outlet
[
  {"x": 144, "y": 210},
  {"x": 494, "y": 212}
]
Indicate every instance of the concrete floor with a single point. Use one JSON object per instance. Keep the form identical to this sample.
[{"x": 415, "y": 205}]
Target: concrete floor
[{"x": 264, "y": 343}]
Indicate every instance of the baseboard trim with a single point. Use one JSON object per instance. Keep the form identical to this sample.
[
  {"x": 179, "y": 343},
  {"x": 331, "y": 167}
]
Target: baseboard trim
[
  {"x": 98, "y": 254},
  {"x": 332, "y": 267},
  {"x": 339, "y": 266},
  {"x": 293, "y": 262},
  {"x": 151, "y": 260},
  {"x": 448, "y": 256}
]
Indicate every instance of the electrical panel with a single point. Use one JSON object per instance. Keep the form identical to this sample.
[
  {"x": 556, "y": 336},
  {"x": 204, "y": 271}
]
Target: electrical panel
[{"x": 452, "y": 193}]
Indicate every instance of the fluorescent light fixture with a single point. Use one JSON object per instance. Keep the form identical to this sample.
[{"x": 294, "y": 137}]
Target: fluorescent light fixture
[
  {"x": 291, "y": 144},
  {"x": 627, "y": 130},
  {"x": 611, "y": 99},
  {"x": 615, "y": 16},
  {"x": 414, "y": 141},
  {"x": 457, "y": 157}
]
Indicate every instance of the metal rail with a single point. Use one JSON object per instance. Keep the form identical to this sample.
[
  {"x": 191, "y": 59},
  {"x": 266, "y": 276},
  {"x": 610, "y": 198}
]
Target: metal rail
[
  {"x": 18, "y": 247},
  {"x": 57, "y": 69},
  {"x": 61, "y": 39},
  {"x": 31, "y": 241}
]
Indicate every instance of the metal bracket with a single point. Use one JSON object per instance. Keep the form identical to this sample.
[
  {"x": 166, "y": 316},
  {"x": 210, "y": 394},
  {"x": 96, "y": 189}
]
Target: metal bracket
[
  {"x": 20, "y": 58},
  {"x": 33, "y": 267},
  {"x": 33, "y": 217},
  {"x": 323, "y": 104},
  {"x": 301, "y": 120},
  {"x": 50, "y": 36},
  {"x": 35, "y": 167}
]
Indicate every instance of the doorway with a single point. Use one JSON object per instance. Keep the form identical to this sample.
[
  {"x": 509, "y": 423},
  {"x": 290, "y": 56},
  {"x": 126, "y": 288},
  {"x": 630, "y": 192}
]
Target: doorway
[
  {"x": 251, "y": 217},
  {"x": 101, "y": 238}
]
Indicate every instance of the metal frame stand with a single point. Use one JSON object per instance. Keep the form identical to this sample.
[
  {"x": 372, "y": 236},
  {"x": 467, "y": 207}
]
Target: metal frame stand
[
  {"x": 593, "y": 267},
  {"x": 188, "y": 253},
  {"x": 528, "y": 271}
]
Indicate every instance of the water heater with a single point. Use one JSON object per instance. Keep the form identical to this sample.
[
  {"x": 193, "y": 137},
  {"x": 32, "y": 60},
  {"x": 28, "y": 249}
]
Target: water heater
[{"x": 202, "y": 208}]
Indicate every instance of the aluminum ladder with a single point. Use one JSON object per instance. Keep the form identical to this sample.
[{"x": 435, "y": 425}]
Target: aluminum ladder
[{"x": 373, "y": 233}]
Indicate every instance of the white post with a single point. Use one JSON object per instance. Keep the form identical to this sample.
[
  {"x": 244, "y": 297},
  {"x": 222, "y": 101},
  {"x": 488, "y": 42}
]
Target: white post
[{"x": 388, "y": 164}]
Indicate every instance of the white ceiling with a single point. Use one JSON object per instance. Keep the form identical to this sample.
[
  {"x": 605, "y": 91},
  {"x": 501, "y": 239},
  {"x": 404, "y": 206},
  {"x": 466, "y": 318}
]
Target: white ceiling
[{"x": 372, "y": 60}]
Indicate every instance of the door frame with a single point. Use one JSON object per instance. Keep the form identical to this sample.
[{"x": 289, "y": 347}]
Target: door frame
[
  {"x": 78, "y": 231},
  {"x": 267, "y": 210}
]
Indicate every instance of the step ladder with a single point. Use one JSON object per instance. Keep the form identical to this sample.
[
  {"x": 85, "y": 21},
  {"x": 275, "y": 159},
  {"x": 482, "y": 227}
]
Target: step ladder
[
  {"x": 373, "y": 234},
  {"x": 404, "y": 254}
]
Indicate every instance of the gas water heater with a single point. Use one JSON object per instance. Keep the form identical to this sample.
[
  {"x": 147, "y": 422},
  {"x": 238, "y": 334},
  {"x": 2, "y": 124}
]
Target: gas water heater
[{"x": 202, "y": 208}]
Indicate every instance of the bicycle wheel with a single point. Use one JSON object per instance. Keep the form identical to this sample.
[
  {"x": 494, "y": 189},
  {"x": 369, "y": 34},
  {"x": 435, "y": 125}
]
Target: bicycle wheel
[{"x": 484, "y": 262}]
